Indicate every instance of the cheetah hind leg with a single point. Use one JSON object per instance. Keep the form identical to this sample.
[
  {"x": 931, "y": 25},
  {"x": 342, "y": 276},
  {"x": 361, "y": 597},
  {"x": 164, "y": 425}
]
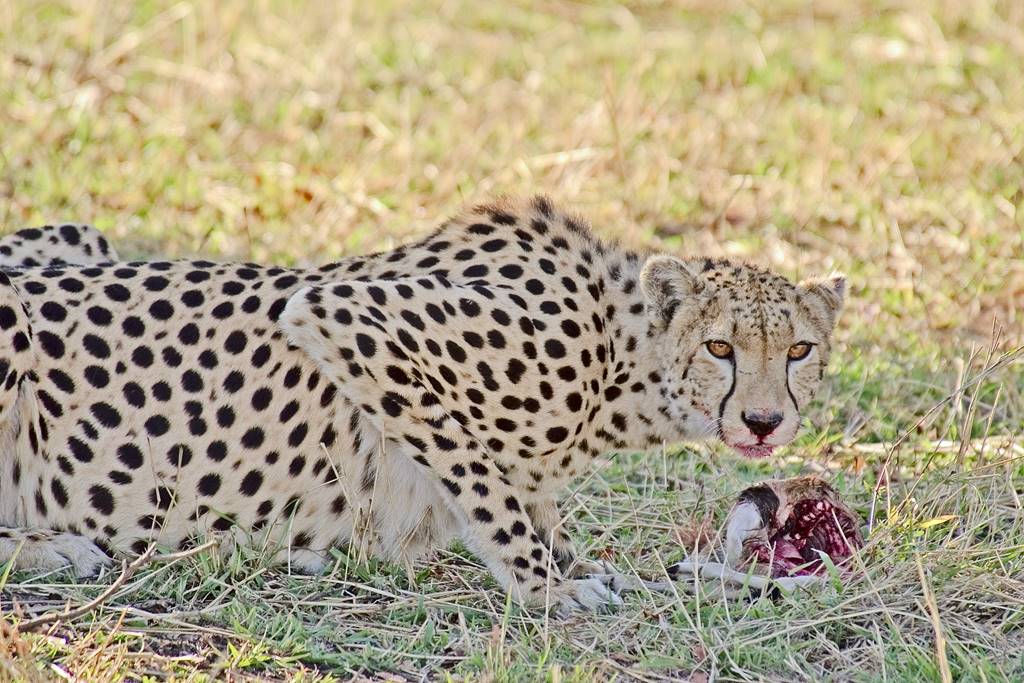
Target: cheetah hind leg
[{"x": 43, "y": 550}]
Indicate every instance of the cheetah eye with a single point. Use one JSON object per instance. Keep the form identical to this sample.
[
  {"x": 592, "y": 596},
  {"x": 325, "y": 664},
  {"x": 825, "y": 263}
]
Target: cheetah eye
[
  {"x": 799, "y": 350},
  {"x": 719, "y": 348}
]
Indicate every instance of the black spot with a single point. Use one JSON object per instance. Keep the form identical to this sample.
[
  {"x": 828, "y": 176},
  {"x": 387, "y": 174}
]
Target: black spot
[
  {"x": 155, "y": 283},
  {"x": 130, "y": 455},
  {"x": 469, "y": 307},
  {"x": 261, "y": 398},
  {"x": 61, "y": 380},
  {"x": 162, "y": 391},
  {"x": 60, "y": 494},
  {"x": 574, "y": 402},
  {"x": 496, "y": 339},
  {"x": 298, "y": 435},
  {"x": 51, "y": 344},
  {"x": 99, "y": 316},
  {"x": 189, "y": 334},
  {"x": 366, "y": 345},
  {"x": 157, "y": 425},
  {"x": 261, "y": 355},
  {"x": 435, "y": 312},
  {"x": 96, "y": 346},
  {"x": 414, "y": 320},
  {"x": 101, "y": 499},
  {"x": 515, "y": 370},
  {"x": 106, "y": 414},
  {"x": 171, "y": 356},
  {"x": 117, "y": 293},
  {"x": 209, "y": 484},
  {"x": 285, "y": 282},
  {"x": 70, "y": 284},
  {"x": 234, "y": 381},
  {"x": 253, "y": 438},
  {"x": 511, "y": 271},
  {"x": 70, "y": 234},
  {"x": 554, "y": 348},
  {"x": 289, "y": 411},
  {"x": 162, "y": 497},
  {"x": 142, "y": 356},
  {"x": 208, "y": 359},
  {"x": 133, "y": 326},
  {"x": 223, "y": 310},
  {"x": 216, "y": 451},
  {"x": 179, "y": 455},
  {"x": 493, "y": 245},
  {"x": 161, "y": 309},
  {"x": 191, "y": 381},
  {"x": 557, "y": 434},
  {"x": 232, "y": 288},
  {"x": 235, "y": 343},
  {"x": 134, "y": 394},
  {"x": 224, "y": 522},
  {"x": 570, "y": 328},
  {"x": 52, "y": 311},
  {"x": 79, "y": 449},
  {"x": 251, "y": 483}
]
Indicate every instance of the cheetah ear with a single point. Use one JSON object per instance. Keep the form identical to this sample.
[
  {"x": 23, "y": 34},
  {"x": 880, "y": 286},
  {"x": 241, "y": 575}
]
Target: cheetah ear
[
  {"x": 826, "y": 292},
  {"x": 666, "y": 283}
]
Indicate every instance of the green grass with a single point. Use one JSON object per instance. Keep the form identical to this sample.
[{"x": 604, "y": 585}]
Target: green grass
[{"x": 884, "y": 139}]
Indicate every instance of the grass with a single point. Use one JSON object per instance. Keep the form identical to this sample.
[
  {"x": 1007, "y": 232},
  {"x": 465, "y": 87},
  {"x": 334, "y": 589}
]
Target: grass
[{"x": 881, "y": 138}]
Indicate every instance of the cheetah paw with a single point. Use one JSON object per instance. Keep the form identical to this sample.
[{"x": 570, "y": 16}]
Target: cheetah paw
[
  {"x": 584, "y": 595},
  {"x": 607, "y": 574},
  {"x": 50, "y": 550}
]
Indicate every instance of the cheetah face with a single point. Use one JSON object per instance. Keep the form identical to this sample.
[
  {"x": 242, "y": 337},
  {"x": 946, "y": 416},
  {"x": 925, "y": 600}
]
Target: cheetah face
[{"x": 742, "y": 350}]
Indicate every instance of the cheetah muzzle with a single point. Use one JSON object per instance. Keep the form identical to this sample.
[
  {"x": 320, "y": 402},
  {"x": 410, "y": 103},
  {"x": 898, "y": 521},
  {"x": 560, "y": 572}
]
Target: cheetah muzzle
[{"x": 389, "y": 403}]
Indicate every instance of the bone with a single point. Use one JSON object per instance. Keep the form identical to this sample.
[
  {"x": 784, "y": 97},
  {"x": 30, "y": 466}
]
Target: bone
[
  {"x": 743, "y": 523},
  {"x": 760, "y": 511}
]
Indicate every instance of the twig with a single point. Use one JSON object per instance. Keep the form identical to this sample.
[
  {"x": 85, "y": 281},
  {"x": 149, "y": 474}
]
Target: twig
[
  {"x": 127, "y": 570},
  {"x": 933, "y": 616}
]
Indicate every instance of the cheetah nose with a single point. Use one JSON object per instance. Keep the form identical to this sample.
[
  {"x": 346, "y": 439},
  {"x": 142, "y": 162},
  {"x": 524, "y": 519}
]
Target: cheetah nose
[{"x": 761, "y": 424}]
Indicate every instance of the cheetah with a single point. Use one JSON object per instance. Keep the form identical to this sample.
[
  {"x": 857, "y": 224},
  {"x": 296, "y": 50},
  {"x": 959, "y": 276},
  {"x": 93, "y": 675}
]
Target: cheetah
[{"x": 447, "y": 389}]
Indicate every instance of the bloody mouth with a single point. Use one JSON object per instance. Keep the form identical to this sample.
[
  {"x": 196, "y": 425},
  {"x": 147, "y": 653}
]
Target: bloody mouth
[
  {"x": 755, "y": 451},
  {"x": 814, "y": 526}
]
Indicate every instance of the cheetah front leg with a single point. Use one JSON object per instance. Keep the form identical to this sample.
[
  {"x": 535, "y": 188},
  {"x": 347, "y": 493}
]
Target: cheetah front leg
[
  {"x": 355, "y": 342},
  {"x": 498, "y": 528},
  {"x": 549, "y": 523}
]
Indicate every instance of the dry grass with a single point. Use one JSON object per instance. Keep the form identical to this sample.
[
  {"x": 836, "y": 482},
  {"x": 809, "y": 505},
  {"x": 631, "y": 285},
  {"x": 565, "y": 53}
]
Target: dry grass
[{"x": 882, "y": 138}]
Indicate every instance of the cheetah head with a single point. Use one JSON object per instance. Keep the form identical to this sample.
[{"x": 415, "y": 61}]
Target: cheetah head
[{"x": 742, "y": 350}]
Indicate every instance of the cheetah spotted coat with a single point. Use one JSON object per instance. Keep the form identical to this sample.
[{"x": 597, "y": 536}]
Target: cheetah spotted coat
[{"x": 449, "y": 388}]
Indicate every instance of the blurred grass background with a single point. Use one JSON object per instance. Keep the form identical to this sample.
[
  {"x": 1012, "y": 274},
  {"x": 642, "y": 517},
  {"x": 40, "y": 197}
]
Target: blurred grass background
[{"x": 883, "y": 138}]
